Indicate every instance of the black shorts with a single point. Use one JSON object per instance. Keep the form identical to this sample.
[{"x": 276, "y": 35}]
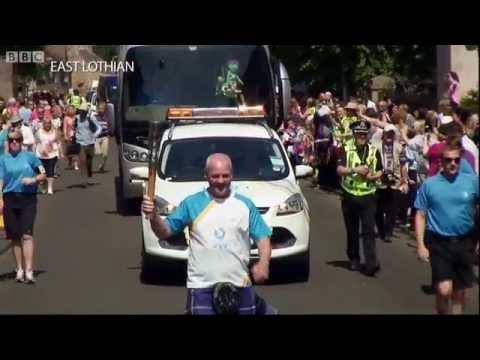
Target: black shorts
[
  {"x": 452, "y": 260},
  {"x": 19, "y": 214},
  {"x": 49, "y": 165}
]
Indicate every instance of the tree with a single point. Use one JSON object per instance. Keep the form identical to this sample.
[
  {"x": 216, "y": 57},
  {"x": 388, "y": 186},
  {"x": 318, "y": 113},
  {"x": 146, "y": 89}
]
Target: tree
[
  {"x": 346, "y": 69},
  {"x": 106, "y": 52}
]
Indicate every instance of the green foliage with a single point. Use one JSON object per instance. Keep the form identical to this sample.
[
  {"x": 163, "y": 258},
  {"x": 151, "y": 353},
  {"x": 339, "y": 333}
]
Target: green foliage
[
  {"x": 324, "y": 66},
  {"x": 470, "y": 101},
  {"x": 106, "y": 52}
]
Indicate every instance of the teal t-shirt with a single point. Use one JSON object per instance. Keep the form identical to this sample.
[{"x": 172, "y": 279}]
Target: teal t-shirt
[
  {"x": 14, "y": 168},
  {"x": 449, "y": 205}
]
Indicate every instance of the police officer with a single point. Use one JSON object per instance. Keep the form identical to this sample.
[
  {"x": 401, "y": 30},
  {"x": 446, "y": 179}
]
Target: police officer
[
  {"x": 76, "y": 100},
  {"x": 360, "y": 166}
]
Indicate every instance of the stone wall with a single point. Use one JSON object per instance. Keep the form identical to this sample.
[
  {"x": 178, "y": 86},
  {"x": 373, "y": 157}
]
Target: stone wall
[{"x": 6, "y": 84}]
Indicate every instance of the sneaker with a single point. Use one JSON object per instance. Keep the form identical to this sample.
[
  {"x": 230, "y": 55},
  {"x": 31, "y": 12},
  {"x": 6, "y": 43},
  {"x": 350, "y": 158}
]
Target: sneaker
[
  {"x": 29, "y": 278},
  {"x": 20, "y": 276},
  {"x": 76, "y": 168},
  {"x": 50, "y": 192}
]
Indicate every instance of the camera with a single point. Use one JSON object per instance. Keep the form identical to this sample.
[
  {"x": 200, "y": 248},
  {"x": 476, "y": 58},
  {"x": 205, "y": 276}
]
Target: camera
[{"x": 388, "y": 178}]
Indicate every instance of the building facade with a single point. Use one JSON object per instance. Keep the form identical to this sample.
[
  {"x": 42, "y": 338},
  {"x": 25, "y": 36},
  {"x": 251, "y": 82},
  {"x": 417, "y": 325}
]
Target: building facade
[{"x": 464, "y": 62}]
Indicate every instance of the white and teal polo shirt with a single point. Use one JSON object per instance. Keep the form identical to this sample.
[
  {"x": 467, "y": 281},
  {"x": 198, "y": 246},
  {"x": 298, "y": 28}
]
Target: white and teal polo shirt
[{"x": 220, "y": 233}]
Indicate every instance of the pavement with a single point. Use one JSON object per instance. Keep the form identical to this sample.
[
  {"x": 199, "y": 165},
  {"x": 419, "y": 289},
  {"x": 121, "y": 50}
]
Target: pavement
[{"x": 88, "y": 262}]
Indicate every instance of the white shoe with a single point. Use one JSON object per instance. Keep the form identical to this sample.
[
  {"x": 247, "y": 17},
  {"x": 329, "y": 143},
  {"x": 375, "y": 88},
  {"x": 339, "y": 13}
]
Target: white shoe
[
  {"x": 50, "y": 192},
  {"x": 29, "y": 278},
  {"x": 20, "y": 276}
]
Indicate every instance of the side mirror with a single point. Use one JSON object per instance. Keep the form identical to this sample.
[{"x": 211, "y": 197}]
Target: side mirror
[
  {"x": 139, "y": 174},
  {"x": 303, "y": 171}
]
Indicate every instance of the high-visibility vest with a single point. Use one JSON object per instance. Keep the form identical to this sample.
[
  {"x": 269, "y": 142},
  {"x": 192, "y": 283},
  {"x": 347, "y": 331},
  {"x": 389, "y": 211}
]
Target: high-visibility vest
[
  {"x": 75, "y": 101},
  {"x": 356, "y": 184}
]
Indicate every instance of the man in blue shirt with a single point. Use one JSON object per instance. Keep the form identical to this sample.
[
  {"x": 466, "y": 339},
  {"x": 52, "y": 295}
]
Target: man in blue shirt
[
  {"x": 87, "y": 130},
  {"x": 446, "y": 205},
  {"x": 25, "y": 112}
]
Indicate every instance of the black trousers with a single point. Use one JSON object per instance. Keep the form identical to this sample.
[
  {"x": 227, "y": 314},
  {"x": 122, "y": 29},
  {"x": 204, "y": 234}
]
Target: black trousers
[
  {"x": 356, "y": 210},
  {"x": 388, "y": 203}
]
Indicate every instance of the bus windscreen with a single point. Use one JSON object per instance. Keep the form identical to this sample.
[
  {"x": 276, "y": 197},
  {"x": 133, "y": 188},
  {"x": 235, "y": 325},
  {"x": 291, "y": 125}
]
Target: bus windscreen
[{"x": 200, "y": 76}]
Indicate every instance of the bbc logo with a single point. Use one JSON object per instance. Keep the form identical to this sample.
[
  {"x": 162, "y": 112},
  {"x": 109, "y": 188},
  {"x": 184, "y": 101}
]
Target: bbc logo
[{"x": 36, "y": 57}]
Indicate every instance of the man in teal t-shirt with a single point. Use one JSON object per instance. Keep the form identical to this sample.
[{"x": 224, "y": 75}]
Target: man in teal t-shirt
[{"x": 446, "y": 205}]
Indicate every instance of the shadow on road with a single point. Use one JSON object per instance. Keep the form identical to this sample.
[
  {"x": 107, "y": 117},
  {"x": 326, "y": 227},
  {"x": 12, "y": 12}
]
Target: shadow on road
[
  {"x": 11, "y": 275},
  {"x": 7, "y": 276},
  {"x": 339, "y": 264},
  {"x": 165, "y": 274},
  {"x": 125, "y": 207},
  {"x": 175, "y": 274},
  {"x": 46, "y": 195},
  {"x": 76, "y": 186},
  {"x": 279, "y": 275},
  {"x": 428, "y": 289}
]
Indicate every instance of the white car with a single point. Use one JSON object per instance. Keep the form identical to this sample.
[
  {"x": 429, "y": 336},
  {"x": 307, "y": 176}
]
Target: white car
[{"x": 262, "y": 172}]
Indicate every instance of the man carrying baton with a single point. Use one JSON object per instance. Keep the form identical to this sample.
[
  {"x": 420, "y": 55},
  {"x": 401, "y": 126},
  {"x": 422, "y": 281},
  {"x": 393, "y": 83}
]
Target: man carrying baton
[{"x": 221, "y": 223}]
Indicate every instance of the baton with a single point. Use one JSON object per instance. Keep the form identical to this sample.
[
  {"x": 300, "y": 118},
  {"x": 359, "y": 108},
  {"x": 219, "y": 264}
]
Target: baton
[{"x": 154, "y": 136}]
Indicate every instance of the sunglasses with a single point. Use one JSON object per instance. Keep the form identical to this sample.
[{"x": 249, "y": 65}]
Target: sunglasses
[
  {"x": 456, "y": 160},
  {"x": 16, "y": 140}
]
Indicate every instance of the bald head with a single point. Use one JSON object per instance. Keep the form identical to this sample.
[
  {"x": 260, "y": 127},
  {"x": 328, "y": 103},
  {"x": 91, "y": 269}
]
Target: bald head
[
  {"x": 382, "y": 105},
  {"x": 219, "y": 171},
  {"x": 216, "y": 161}
]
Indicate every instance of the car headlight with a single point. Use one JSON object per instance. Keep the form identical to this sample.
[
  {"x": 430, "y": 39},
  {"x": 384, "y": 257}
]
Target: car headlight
[
  {"x": 135, "y": 156},
  {"x": 293, "y": 205},
  {"x": 164, "y": 208}
]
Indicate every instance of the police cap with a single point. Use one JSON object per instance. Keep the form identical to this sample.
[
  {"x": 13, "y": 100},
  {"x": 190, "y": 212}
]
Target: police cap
[{"x": 361, "y": 126}]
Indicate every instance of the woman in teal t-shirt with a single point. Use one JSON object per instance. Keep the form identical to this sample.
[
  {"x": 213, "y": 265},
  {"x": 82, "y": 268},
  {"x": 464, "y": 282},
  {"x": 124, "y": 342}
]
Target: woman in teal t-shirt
[{"x": 20, "y": 172}]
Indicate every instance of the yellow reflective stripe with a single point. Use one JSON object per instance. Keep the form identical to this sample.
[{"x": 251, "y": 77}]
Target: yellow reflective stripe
[{"x": 205, "y": 211}]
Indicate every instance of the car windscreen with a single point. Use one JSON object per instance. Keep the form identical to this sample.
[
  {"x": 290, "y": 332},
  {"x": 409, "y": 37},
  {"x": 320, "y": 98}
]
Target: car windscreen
[
  {"x": 253, "y": 159},
  {"x": 200, "y": 76}
]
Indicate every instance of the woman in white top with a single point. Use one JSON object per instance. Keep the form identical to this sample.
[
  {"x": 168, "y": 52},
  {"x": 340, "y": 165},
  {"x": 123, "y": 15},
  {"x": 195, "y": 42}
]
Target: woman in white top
[{"x": 49, "y": 149}]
